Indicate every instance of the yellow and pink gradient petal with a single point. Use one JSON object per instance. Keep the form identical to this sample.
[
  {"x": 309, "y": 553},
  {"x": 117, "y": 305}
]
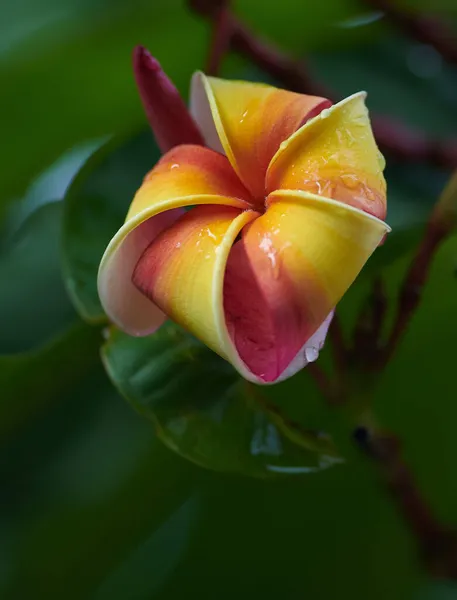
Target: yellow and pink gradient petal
[
  {"x": 285, "y": 210},
  {"x": 335, "y": 156},
  {"x": 184, "y": 177},
  {"x": 185, "y": 172},
  {"x": 289, "y": 270},
  {"x": 249, "y": 121},
  {"x": 182, "y": 272}
]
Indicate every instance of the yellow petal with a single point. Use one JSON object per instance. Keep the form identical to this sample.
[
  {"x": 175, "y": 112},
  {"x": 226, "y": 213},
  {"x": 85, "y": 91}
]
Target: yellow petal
[
  {"x": 184, "y": 173},
  {"x": 185, "y": 176},
  {"x": 291, "y": 268},
  {"x": 249, "y": 121},
  {"x": 183, "y": 271},
  {"x": 334, "y": 155}
]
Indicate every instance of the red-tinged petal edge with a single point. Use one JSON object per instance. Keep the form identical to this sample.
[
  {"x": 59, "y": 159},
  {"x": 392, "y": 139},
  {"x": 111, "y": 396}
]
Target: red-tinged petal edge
[
  {"x": 287, "y": 273},
  {"x": 166, "y": 111}
]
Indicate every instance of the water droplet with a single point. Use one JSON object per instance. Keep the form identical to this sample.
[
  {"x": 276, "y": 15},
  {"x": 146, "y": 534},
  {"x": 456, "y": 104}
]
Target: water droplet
[
  {"x": 266, "y": 244},
  {"x": 311, "y": 354},
  {"x": 174, "y": 166},
  {"x": 178, "y": 245},
  {"x": 329, "y": 189},
  {"x": 210, "y": 233},
  {"x": 243, "y": 116},
  {"x": 350, "y": 180}
]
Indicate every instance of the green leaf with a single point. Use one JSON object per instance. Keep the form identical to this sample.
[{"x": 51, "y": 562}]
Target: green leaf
[
  {"x": 204, "y": 411},
  {"x": 34, "y": 380},
  {"x": 77, "y": 75},
  {"x": 95, "y": 207},
  {"x": 34, "y": 302}
]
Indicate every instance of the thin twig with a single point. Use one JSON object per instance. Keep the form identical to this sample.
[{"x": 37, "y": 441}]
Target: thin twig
[
  {"x": 220, "y": 42},
  {"x": 411, "y": 290},
  {"x": 368, "y": 328},
  {"x": 321, "y": 380},
  {"x": 437, "y": 543},
  {"x": 423, "y": 28},
  {"x": 394, "y": 138}
]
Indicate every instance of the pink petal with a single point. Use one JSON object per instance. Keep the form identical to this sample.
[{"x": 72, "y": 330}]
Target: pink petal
[{"x": 167, "y": 113}]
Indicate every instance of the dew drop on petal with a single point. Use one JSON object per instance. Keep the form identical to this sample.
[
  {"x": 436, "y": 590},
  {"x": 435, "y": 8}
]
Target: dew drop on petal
[
  {"x": 311, "y": 354},
  {"x": 210, "y": 233}
]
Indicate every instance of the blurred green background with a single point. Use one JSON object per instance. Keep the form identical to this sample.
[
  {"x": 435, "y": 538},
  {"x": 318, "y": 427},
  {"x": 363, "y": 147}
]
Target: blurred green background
[{"x": 93, "y": 504}]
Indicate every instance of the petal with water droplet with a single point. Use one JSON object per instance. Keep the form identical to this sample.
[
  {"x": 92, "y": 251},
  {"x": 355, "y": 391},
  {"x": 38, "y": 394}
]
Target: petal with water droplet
[
  {"x": 334, "y": 155},
  {"x": 249, "y": 121},
  {"x": 289, "y": 270},
  {"x": 182, "y": 272},
  {"x": 185, "y": 176}
]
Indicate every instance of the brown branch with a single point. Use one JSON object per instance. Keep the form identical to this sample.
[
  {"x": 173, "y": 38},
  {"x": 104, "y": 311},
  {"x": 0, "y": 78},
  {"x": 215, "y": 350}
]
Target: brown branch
[
  {"x": 437, "y": 543},
  {"x": 322, "y": 382},
  {"x": 423, "y": 28},
  {"x": 368, "y": 328},
  {"x": 395, "y": 139},
  {"x": 411, "y": 290},
  {"x": 221, "y": 35}
]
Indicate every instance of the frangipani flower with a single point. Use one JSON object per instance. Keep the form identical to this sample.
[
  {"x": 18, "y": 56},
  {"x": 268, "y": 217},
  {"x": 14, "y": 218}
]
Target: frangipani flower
[{"x": 287, "y": 202}]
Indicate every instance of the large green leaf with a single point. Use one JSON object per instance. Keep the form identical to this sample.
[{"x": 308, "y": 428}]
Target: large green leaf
[
  {"x": 34, "y": 303},
  {"x": 204, "y": 411},
  {"x": 95, "y": 208}
]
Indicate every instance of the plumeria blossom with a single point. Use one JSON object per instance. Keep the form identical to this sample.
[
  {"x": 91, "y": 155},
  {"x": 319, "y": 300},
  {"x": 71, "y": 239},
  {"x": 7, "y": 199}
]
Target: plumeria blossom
[{"x": 287, "y": 202}]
